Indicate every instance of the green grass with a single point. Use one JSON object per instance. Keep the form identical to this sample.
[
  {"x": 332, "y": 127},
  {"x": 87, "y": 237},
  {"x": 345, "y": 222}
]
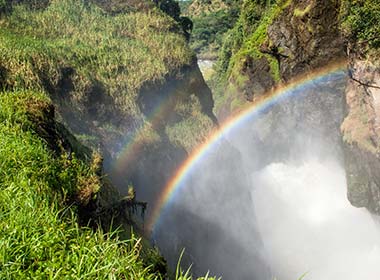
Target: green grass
[
  {"x": 39, "y": 233},
  {"x": 117, "y": 54},
  {"x": 123, "y": 51}
]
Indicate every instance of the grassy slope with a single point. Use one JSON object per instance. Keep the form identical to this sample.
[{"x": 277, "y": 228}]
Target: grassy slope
[
  {"x": 39, "y": 233},
  {"x": 98, "y": 46},
  {"x": 120, "y": 52},
  {"x": 39, "y": 236}
]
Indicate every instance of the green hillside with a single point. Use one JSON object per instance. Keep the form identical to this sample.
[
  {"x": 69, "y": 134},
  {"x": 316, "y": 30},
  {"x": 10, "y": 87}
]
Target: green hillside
[
  {"x": 84, "y": 64},
  {"x": 97, "y": 46},
  {"x": 40, "y": 192}
]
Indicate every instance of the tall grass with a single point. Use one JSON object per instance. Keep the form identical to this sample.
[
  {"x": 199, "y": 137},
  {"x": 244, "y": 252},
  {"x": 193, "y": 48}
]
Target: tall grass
[
  {"x": 123, "y": 51},
  {"x": 39, "y": 234}
]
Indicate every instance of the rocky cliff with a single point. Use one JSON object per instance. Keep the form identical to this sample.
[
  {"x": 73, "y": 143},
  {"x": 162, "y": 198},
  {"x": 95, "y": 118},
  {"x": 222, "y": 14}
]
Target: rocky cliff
[
  {"x": 360, "y": 128},
  {"x": 141, "y": 85},
  {"x": 361, "y": 133},
  {"x": 275, "y": 43},
  {"x": 281, "y": 41}
]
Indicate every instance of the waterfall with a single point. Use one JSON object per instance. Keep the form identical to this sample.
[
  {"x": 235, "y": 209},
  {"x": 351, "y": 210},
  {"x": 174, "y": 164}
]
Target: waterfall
[{"x": 268, "y": 199}]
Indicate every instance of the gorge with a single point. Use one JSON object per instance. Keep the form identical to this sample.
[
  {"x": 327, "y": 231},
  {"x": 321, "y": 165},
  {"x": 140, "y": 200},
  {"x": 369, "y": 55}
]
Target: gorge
[
  {"x": 267, "y": 171},
  {"x": 292, "y": 163}
]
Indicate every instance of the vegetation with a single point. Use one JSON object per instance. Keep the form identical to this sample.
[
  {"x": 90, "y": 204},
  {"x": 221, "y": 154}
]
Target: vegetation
[
  {"x": 47, "y": 178},
  {"x": 209, "y": 31},
  {"x": 36, "y": 45},
  {"x": 210, "y": 25},
  {"x": 242, "y": 41},
  {"x": 248, "y": 35},
  {"x": 80, "y": 53},
  {"x": 40, "y": 236},
  {"x": 40, "y": 192},
  {"x": 360, "y": 21}
]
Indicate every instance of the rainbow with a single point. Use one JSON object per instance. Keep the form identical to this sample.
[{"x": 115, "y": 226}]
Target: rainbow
[
  {"x": 131, "y": 150},
  {"x": 175, "y": 184}
]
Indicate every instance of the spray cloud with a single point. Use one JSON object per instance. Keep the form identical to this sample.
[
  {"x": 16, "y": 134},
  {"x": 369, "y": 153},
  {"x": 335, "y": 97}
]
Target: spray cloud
[{"x": 270, "y": 200}]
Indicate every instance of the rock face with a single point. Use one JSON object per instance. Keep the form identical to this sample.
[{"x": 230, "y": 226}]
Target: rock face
[
  {"x": 293, "y": 38},
  {"x": 361, "y": 132},
  {"x": 302, "y": 36},
  {"x": 305, "y": 36}
]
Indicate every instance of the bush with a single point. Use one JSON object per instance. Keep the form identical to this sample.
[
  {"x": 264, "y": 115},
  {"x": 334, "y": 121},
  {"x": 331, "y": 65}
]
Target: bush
[
  {"x": 360, "y": 21},
  {"x": 210, "y": 28}
]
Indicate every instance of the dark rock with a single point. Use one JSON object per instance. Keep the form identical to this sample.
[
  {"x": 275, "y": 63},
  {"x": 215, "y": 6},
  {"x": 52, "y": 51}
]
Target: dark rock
[{"x": 307, "y": 36}]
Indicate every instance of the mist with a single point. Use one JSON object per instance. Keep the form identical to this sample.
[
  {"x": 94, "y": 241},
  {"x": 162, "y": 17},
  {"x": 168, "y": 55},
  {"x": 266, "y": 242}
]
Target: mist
[
  {"x": 309, "y": 227},
  {"x": 269, "y": 200}
]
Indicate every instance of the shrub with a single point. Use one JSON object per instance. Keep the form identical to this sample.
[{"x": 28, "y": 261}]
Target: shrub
[{"x": 360, "y": 21}]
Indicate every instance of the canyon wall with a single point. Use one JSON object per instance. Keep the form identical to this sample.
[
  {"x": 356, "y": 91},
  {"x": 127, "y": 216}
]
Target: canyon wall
[{"x": 271, "y": 45}]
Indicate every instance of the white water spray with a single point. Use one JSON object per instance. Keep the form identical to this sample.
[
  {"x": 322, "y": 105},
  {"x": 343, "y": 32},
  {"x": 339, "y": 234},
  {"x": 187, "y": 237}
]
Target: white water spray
[
  {"x": 309, "y": 227},
  {"x": 271, "y": 202}
]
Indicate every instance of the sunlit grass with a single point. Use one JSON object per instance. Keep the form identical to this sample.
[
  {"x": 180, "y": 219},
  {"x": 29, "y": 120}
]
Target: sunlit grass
[
  {"x": 39, "y": 233},
  {"x": 123, "y": 51}
]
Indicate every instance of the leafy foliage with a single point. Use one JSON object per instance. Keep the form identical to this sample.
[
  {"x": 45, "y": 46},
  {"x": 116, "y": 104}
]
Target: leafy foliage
[
  {"x": 210, "y": 28},
  {"x": 248, "y": 33},
  {"x": 361, "y": 21}
]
